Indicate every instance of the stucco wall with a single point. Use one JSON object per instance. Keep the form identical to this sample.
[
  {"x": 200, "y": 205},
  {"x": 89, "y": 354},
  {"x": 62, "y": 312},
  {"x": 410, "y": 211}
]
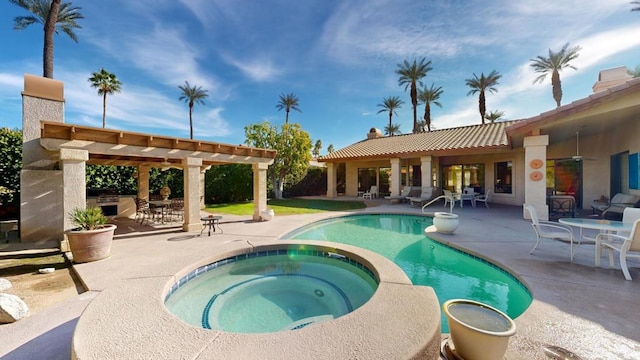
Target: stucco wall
[{"x": 41, "y": 193}]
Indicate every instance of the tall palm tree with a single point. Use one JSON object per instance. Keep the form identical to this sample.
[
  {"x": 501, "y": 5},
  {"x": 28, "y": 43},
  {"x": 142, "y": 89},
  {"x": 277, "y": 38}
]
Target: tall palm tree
[
  {"x": 192, "y": 95},
  {"x": 288, "y": 102},
  {"x": 392, "y": 129},
  {"x": 390, "y": 104},
  {"x": 106, "y": 83},
  {"x": 330, "y": 148},
  {"x": 482, "y": 85},
  {"x": 552, "y": 64},
  {"x": 494, "y": 115},
  {"x": 410, "y": 76},
  {"x": 427, "y": 97},
  {"x": 45, "y": 12}
]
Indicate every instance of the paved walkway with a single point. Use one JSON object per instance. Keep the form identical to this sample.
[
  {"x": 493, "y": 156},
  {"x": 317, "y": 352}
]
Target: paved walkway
[{"x": 590, "y": 311}]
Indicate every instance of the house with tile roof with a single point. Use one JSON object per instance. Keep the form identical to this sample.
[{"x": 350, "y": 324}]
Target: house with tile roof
[{"x": 586, "y": 149}]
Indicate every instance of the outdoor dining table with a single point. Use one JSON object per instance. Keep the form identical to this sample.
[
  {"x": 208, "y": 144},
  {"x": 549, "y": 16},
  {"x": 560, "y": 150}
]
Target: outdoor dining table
[
  {"x": 471, "y": 196},
  {"x": 597, "y": 224},
  {"x": 163, "y": 205}
]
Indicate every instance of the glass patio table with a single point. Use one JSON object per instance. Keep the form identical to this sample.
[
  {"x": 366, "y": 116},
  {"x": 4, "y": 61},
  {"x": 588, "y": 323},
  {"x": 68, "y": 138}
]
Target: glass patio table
[{"x": 596, "y": 224}]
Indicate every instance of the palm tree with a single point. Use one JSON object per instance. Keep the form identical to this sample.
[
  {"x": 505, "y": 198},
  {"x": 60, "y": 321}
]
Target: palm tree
[
  {"x": 555, "y": 62},
  {"x": 410, "y": 75},
  {"x": 106, "y": 83},
  {"x": 44, "y": 12},
  {"x": 330, "y": 148},
  {"x": 288, "y": 102},
  {"x": 192, "y": 95},
  {"x": 494, "y": 115},
  {"x": 635, "y": 72},
  {"x": 392, "y": 129},
  {"x": 428, "y": 97},
  {"x": 316, "y": 148},
  {"x": 482, "y": 85},
  {"x": 390, "y": 104}
]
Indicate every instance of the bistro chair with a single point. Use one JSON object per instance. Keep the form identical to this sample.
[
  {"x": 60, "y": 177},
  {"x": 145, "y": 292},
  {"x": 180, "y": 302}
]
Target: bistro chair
[
  {"x": 628, "y": 246},
  {"x": 549, "y": 230}
]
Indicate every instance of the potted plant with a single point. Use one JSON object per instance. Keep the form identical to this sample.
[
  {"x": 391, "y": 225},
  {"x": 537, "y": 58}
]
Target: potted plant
[
  {"x": 91, "y": 240},
  {"x": 165, "y": 192}
]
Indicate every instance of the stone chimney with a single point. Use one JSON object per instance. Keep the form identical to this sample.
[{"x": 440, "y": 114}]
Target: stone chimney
[
  {"x": 374, "y": 133},
  {"x": 610, "y": 78}
]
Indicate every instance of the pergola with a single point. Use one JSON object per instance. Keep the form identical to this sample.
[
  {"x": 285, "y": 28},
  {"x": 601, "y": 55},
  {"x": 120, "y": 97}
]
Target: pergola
[{"x": 55, "y": 155}]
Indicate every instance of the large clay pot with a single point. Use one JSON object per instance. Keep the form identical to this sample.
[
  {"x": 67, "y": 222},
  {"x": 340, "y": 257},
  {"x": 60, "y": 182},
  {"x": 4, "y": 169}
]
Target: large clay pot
[
  {"x": 91, "y": 245},
  {"x": 445, "y": 223},
  {"x": 267, "y": 214},
  {"x": 478, "y": 331}
]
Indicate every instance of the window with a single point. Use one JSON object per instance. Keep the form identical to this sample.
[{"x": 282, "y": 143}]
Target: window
[
  {"x": 457, "y": 177},
  {"x": 503, "y": 176}
]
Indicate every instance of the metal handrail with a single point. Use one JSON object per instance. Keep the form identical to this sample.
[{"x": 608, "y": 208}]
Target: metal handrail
[{"x": 447, "y": 198}]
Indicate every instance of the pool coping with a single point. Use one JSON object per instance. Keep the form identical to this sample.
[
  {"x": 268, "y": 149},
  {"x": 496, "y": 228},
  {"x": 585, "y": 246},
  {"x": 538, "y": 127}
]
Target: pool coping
[{"x": 129, "y": 320}]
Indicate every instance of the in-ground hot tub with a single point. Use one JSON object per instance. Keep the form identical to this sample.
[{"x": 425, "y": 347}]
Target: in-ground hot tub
[
  {"x": 274, "y": 290},
  {"x": 399, "y": 321}
]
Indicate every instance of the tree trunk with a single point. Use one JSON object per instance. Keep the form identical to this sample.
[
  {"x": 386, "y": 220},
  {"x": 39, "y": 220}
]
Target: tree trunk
[
  {"x": 49, "y": 31},
  {"x": 427, "y": 115},
  {"x": 557, "y": 87},
  {"x": 482, "y": 106},
  {"x": 104, "y": 110},
  {"x": 390, "y": 121},
  {"x": 191, "y": 121},
  {"x": 278, "y": 187},
  {"x": 414, "y": 102}
]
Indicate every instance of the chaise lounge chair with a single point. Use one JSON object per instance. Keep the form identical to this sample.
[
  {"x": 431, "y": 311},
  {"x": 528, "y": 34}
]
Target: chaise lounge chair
[
  {"x": 423, "y": 198},
  {"x": 400, "y": 198}
]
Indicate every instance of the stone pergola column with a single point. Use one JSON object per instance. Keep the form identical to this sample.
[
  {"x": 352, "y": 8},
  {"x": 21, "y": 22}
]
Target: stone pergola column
[
  {"x": 143, "y": 182},
  {"x": 535, "y": 180},
  {"x": 425, "y": 169},
  {"x": 74, "y": 189},
  {"x": 191, "y": 171},
  {"x": 332, "y": 180},
  {"x": 396, "y": 177},
  {"x": 203, "y": 171},
  {"x": 259, "y": 189}
]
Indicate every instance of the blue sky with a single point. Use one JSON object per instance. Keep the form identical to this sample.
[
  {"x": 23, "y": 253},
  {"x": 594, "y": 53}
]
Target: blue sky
[{"x": 338, "y": 57}]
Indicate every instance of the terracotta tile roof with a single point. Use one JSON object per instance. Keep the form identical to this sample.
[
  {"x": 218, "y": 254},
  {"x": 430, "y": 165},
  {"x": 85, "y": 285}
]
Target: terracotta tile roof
[{"x": 459, "y": 140}]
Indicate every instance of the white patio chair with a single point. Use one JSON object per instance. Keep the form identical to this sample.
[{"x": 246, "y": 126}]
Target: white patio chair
[
  {"x": 627, "y": 246},
  {"x": 549, "y": 230},
  {"x": 371, "y": 193},
  {"x": 450, "y": 198},
  {"x": 484, "y": 198}
]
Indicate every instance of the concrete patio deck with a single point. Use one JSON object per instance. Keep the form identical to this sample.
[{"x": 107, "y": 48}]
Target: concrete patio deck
[{"x": 590, "y": 311}]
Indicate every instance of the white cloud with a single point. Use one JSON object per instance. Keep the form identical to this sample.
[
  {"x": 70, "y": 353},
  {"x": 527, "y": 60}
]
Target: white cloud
[{"x": 257, "y": 69}]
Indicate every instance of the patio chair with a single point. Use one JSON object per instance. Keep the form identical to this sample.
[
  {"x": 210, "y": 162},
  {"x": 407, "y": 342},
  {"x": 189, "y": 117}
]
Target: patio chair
[
  {"x": 484, "y": 198},
  {"x": 403, "y": 194},
  {"x": 423, "y": 198},
  {"x": 549, "y": 230},
  {"x": 371, "y": 193},
  {"x": 628, "y": 247},
  {"x": 177, "y": 208},
  {"x": 142, "y": 210},
  {"x": 449, "y": 197}
]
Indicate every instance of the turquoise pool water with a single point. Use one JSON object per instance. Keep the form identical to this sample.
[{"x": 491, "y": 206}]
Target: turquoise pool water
[
  {"x": 452, "y": 273},
  {"x": 271, "y": 291}
]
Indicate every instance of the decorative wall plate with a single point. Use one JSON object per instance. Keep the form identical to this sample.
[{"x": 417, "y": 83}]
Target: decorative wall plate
[
  {"x": 536, "y": 175},
  {"x": 535, "y": 163}
]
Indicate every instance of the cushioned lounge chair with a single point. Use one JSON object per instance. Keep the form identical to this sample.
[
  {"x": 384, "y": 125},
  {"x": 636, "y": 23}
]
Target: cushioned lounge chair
[{"x": 403, "y": 194}]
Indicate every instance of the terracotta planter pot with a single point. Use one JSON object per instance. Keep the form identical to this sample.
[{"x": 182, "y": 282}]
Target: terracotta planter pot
[
  {"x": 91, "y": 245},
  {"x": 478, "y": 331}
]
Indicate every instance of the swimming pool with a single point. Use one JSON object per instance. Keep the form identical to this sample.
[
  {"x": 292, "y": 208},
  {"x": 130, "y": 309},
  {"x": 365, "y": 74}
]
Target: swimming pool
[
  {"x": 452, "y": 273},
  {"x": 271, "y": 291}
]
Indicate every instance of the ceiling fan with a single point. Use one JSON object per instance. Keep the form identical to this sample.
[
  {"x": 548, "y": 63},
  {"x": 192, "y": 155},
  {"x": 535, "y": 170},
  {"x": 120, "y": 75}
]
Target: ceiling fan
[{"x": 577, "y": 156}]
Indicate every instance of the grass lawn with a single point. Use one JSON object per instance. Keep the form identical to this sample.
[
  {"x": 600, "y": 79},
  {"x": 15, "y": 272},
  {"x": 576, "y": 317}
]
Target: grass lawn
[{"x": 288, "y": 206}]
